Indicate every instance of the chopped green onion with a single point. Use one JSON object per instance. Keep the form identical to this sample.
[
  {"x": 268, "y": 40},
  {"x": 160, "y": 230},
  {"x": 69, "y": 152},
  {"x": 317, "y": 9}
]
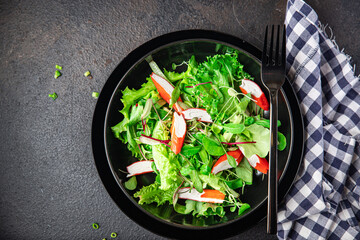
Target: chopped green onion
[
  {"x": 87, "y": 73},
  {"x": 95, "y": 226},
  {"x": 95, "y": 95},
  {"x": 113, "y": 235},
  {"x": 53, "y": 96},
  {"x": 57, "y": 74},
  {"x": 58, "y": 67}
]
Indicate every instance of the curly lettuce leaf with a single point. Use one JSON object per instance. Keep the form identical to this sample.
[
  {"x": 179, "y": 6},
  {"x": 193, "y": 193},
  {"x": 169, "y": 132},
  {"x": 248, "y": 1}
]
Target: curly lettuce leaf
[
  {"x": 120, "y": 128},
  {"x": 165, "y": 161},
  {"x": 131, "y": 96},
  {"x": 154, "y": 194}
]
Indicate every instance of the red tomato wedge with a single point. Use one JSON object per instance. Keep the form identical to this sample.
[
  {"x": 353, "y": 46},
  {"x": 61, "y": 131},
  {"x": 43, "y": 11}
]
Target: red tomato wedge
[
  {"x": 199, "y": 113},
  {"x": 139, "y": 167},
  {"x": 208, "y": 195},
  {"x": 248, "y": 86},
  {"x": 165, "y": 89},
  {"x": 178, "y": 132},
  {"x": 222, "y": 163}
]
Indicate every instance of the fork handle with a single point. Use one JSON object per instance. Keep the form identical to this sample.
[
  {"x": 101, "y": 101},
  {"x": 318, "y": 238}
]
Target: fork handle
[{"x": 272, "y": 177}]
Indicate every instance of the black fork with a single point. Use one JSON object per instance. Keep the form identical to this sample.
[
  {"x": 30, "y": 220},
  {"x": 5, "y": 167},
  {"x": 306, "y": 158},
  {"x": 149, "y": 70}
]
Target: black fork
[{"x": 273, "y": 77}]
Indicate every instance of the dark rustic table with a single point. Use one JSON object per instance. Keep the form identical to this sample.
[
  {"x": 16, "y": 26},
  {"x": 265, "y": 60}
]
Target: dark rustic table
[{"x": 49, "y": 187}]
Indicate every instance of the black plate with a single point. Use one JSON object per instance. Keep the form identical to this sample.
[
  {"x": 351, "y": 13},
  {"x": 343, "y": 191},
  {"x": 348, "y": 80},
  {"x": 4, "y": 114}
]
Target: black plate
[{"x": 110, "y": 154}]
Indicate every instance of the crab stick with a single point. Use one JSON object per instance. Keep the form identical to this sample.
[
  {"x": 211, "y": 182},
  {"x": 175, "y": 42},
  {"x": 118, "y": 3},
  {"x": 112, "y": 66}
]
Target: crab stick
[
  {"x": 208, "y": 195},
  {"x": 165, "y": 89},
  {"x": 222, "y": 163},
  {"x": 248, "y": 86},
  {"x": 178, "y": 132},
  {"x": 139, "y": 167},
  {"x": 199, "y": 113},
  {"x": 259, "y": 163}
]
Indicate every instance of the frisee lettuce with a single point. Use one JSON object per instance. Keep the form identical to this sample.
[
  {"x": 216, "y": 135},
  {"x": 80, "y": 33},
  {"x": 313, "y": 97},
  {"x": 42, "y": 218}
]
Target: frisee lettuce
[{"x": 214, "y": 86}]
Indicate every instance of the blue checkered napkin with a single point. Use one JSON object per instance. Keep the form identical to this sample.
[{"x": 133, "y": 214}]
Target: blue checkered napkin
[{"x": 324, "y": 202}]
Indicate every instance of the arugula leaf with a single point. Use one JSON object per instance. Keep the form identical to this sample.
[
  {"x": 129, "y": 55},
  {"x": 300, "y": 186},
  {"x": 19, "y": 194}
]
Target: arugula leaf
[
  {"x": 243, "y": 208},
  {"x": 204, "y": 156},
  {"x": 175, "y": 94},
  {"x": 202, "y": 209},
  {"x": 244, "y": 101},
  {"x": 245, "y": 171},
  {"x": 235, "y": 128},
  {"x": 131, "y": 183},
  {"x": 205, "y": 170},
  {"x": 281, "y": 141},
  {"x": 235, "y": 184},
  {"x": 194, "y": 176},
  {"x": 216, "y": 128},
  {"x": 213, "y": 181},
  {"x": 213, "y": 147},
  {"x": 249, "y": 121},
  {"x": 188, "y": 150},
  {"x": 231, "y": 160},
  {"x": 185, "y": 171},
  {"x": 266, "y": 123}
]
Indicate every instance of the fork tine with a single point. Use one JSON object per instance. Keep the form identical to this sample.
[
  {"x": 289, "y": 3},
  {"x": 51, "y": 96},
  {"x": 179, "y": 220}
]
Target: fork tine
[
  {"x": 283, "y": 50},
  {"x": 271, "y": 46},
  {"x": 264, "y": 53},
  {"x": 277, "y": 62}
]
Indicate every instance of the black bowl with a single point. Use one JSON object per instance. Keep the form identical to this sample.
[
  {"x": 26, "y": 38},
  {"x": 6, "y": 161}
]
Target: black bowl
[{"x": 111, "y": 155}]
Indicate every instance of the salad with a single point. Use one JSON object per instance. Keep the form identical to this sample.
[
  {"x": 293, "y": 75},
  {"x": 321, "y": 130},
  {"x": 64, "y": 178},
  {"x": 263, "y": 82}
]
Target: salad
[{"x": 200, "y": 128}]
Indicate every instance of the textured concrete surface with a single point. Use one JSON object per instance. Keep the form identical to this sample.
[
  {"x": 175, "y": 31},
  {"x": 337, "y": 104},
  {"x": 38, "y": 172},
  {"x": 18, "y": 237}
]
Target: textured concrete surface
[{"x": 49, "y": 185}]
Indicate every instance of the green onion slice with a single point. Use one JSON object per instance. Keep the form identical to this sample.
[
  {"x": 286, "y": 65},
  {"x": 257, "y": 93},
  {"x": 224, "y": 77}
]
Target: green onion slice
[
  {"x": 87, "y": 73},
  {"x": 53, "y": 95},
  {"x": 57, "y": 74},
  {"x": 113, "y": 235},
  {"x": 95, "y": 95},
  {"x": 95, "y": 226}
]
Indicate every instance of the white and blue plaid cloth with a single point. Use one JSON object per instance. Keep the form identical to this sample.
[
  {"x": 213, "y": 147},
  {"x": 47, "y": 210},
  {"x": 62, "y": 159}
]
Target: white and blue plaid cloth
[{"x": 324, "y": 202}]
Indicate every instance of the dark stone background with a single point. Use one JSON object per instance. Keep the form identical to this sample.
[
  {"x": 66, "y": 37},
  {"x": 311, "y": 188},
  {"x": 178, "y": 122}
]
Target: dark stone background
[{"x": 49, "y": 187}]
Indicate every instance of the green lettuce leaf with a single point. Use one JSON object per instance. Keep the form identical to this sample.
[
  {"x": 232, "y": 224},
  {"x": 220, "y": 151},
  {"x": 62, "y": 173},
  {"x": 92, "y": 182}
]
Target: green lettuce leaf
[
  {"x": 119, "y": 128},
  {"x": 245, "y": 171},
  {"x": 213, "y": 147},
  {"x": 261, "y": 136},
  {"x": 213, "y": 181},
  {"x": 135, "y": 115},
  {"x": 165, "y": 161},
  {"x": 281, "y": 141},
  {"x": 131, "y": 96},
  {"x": 202, "y": 209},
  {"x": 154, "y": 194}
]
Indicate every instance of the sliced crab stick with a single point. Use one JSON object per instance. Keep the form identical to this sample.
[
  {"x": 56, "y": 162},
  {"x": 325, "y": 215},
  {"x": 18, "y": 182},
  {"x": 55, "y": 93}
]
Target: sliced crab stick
[
  {"x": 248, "y": 86},
  {"x": 222, "y": 163},
  {"x": 178, "y": 132},
  {"x": 199, "y": 113},
  {"x": 139, "y": 167},
  {"x": 259, "y": 163},
  {"x": 165, "y": 89},
  {"x": 208, "y": 195}
]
